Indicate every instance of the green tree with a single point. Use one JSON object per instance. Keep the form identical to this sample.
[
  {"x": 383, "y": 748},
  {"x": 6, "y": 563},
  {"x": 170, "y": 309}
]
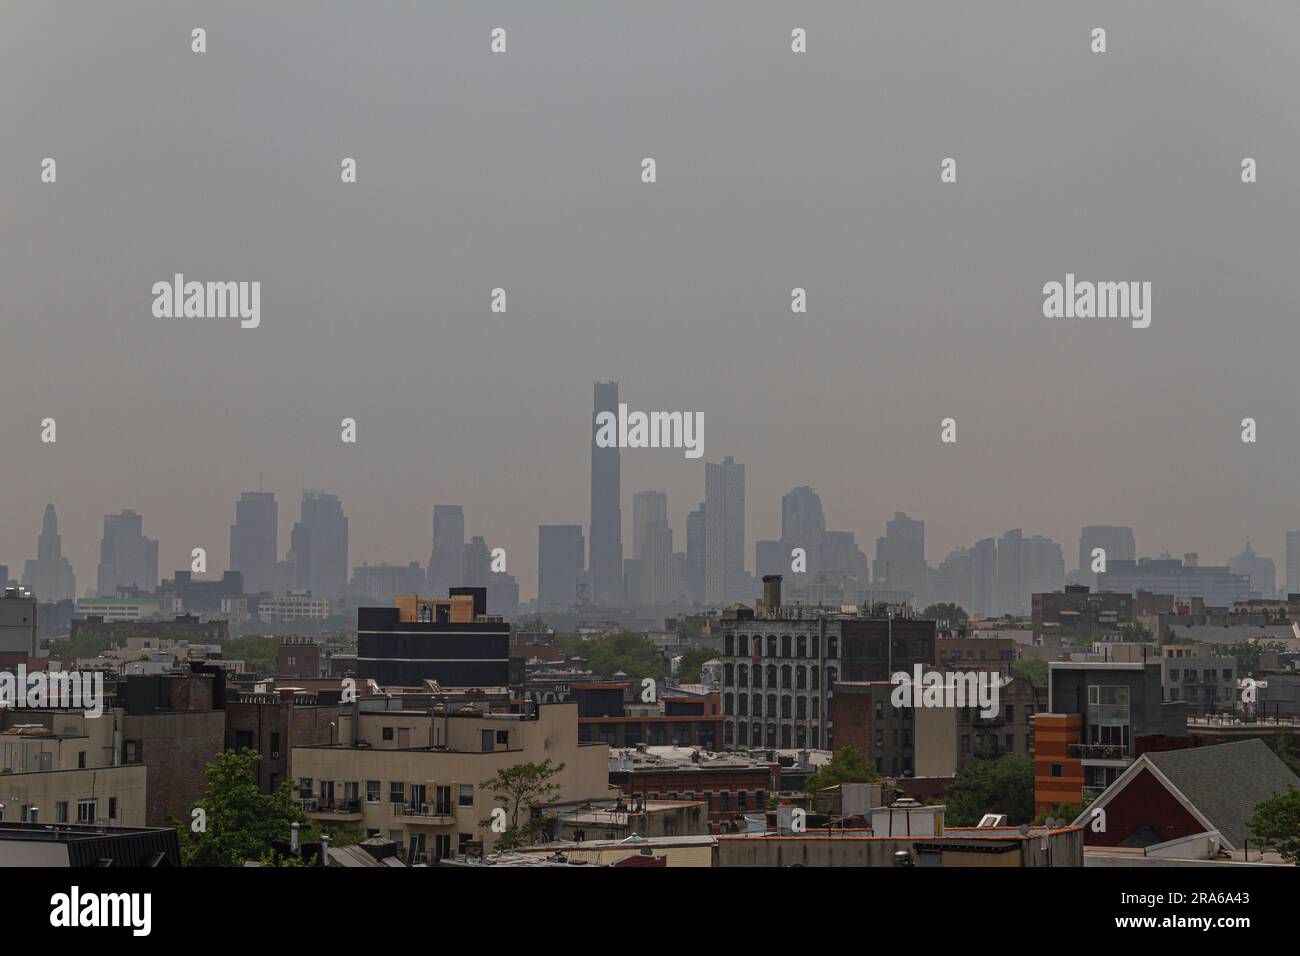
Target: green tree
[
  {"x": 688, "y": 669},
  {"x": 1276, "y": 824},
  {"x": 633, "y": 654},
  {"x": 1004, "y": 785},
  {"x": 1247, "y": 654},
  {"x": 520, "y": 790},
  {"x": 238, "y": 820},
  {"x": 1135, "y": 633},
  {"x": 945, "y": 611},
  {"x": 258, "y": 650},
  {"x": 848, "y": 765},
  {"x": 1032, "y": 669}
]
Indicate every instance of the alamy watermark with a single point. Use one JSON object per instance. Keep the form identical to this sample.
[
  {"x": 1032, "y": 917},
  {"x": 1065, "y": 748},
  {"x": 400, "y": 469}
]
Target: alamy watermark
[
  {"x": 1099, "y": 300},
  {"x": 179, "y": 299},
  {"x": 651, "y": 430},
  {"x": 74, "y": 689},
  {"x": 924, "y": 688}
]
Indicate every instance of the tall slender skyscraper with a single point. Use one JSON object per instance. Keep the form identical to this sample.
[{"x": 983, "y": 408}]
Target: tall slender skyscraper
[
  {"x": 446, "y": 558},
  {"x": 254, "y": 540},
  {"x": 49, "y": 577},
  {"x": 127, "y": 559},
  {"x": 606, "y": 529},
  {"x": 724, "y": 532},
  {"x": 320, "y": 546}
]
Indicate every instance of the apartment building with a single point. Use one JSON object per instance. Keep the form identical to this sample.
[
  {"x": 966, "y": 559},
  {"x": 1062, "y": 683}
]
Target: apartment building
[
  {"x": 779, "y": 664},
  {"x": 60, "y": 766},
  {"x": 416, "y": 775}
]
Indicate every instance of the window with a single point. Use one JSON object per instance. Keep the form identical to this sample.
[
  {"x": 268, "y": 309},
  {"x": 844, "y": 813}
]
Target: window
[
  {"x": 1056, "y": 770},
  {"x": 112, "y": 808},
  {"x": 372, "y": 791},
  {"x": 132, "y": 752},
  {"x": 81, "y": 760},
  {"x": 487, "y": 738},
  {"x": 275, "y": 743},
  {"x": 503, "y": 738},
  {"x": 465, "y": 795},
  {"x": 441, "y": 845},
  {"x": 86, "y": 811},
  {"x": 304, "y": 788},
  {"x": 61, "y": 812},
  {"x": 1011, "y": 713},
  {"x": 462, "y": 842},
  {"x": 396, "y": 793},
  {"x": 388, "y": 733}
]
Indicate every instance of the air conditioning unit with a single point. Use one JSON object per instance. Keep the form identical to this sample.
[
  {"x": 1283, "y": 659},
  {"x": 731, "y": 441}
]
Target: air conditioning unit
[{"x": 424, "y": 809}]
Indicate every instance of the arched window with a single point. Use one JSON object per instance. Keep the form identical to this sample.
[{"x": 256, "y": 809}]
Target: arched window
[
  {"x": 742, "y": 701},
  {"x": 771, "y": 675},
  {"x": 785, "y": 675},
  {"x": 728, "y": 675},
  {"x": 801, "y": 677},
  {"x": 771, "y": 645},
  {"x": 728, "y": 646},
  {"x": 785, "y": 737},
  {"x": 785, "y": 645},
  {"x": 727, "y": 707},
  {"x": 742, "y": 675},
  {"x": 832, "y": 647},
  {"x": 758, "y": 705},
  {"x": 801, "y": 645}
]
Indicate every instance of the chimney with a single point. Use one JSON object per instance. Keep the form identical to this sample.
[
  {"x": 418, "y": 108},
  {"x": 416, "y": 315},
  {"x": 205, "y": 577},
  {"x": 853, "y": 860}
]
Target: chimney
[
  {"x": 772, "y": 593},
  {"x": 323, "y": 859}
]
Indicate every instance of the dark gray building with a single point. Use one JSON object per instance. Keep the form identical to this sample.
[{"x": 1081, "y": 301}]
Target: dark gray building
[
  {"x": 606, "y": 515},
  {"x": 254, "y": 540}
]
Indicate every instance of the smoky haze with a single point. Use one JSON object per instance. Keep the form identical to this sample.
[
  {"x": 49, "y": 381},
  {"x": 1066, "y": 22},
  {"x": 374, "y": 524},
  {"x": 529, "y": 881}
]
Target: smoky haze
[{"x": 774, "y": 171}]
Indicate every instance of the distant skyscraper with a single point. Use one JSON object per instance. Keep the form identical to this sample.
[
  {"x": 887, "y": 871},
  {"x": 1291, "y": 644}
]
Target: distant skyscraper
[
  {"x": 725, "y": 580},
  {"x": 1116, "y": 540},
  {"x": 127, "y": 559},
  {"x": 320, "y": 546},
  {"x": 802, "y": 519},
  {"x": 983, "y": 577},
  {"x": 1293, "y": 562},
  {"x": 900, "y": 556},
  {"x": 475, "y": 564},
  {"x": 447, "y": 556},
  {"x": 652, "y": 545},
  {"x": 560, "y": 560},
  {"x": 606, "y": 517},
  {"x": 49, "y": 576},
  {"x": 1261, "y": 571},
  {"x": 954, "y": 578},
  {"x": 254, "y": 540},
  {"x": 1027, "y": 566},
  {"x": 695, "y": 554}
]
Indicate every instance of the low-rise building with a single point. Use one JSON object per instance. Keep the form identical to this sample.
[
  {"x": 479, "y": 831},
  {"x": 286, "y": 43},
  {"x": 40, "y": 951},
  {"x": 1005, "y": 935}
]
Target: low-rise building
[{"x": 418, "y": 776}]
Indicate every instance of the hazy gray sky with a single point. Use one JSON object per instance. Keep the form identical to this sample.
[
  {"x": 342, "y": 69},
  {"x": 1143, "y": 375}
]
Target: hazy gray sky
[{"x": 775, "y": 170}]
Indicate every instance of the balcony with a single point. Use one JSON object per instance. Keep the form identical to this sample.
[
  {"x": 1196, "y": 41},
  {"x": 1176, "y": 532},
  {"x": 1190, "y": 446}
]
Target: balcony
[
  {"x": 349, "y": 810},
  {"x": 428, "y": 814},
  {"x": 1112, "y": 752}
]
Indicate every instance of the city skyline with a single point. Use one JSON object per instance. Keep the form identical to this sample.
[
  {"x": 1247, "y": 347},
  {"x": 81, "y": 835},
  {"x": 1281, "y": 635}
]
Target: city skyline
[{"x": 375, "y": 296}]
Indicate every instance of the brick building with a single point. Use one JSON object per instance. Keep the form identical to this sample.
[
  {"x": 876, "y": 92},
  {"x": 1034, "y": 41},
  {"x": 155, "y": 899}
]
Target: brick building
[{"x": 275, "y": 722}]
